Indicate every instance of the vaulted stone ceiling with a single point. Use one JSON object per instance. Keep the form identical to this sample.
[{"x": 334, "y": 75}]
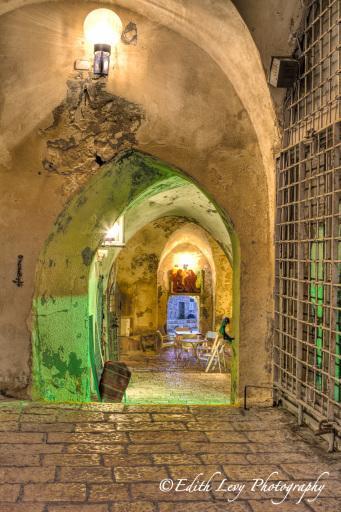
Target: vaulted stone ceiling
[{"x": 184, "y": 201}]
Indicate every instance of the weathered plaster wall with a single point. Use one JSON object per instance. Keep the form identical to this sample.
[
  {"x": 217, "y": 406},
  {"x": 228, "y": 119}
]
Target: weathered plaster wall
[
  {"x": 273, "y": 25},
  {"x": 220, "y": 31},
  {"x": 224, "y": 285},
  {"x": 190, "y": 117}
]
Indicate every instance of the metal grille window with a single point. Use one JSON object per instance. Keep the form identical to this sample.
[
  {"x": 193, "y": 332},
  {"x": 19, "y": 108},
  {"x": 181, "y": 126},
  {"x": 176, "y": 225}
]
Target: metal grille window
[
  {"x": 307, "y": 348},
  {"x": 312, "y": 102}
]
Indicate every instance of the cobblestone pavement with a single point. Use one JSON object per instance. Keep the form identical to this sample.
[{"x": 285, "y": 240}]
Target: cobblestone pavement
[
  {"x": 186, "y": 388},
  {"x": 164, "y": 379},
  {"x": 112, "y": 458}
]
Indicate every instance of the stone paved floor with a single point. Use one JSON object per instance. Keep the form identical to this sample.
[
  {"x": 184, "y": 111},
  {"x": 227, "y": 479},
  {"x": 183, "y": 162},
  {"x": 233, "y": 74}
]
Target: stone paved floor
[
  {"x": 160, "y": 361},
  {"x": 160, "y": 378},
  {"x": 111, "y": 458},
  {"x": 159, "y": 387}
]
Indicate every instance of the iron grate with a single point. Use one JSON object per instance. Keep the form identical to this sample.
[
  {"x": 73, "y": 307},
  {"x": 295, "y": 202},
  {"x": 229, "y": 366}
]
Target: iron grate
[{"x": 307, "y": 347}]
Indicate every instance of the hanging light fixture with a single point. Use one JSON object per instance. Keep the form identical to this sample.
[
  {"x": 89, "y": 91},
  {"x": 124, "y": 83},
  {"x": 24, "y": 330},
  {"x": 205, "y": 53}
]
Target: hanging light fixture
[{"x": 103, "y": 29}]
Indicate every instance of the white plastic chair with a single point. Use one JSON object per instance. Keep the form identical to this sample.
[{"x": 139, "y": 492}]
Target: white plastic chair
[
  {"x": 166, "y": 340},
  {"x": 217, "y": 356}
]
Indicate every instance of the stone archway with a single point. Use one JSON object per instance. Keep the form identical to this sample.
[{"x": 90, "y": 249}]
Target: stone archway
[
  {"x": 215, "y": 301},
  {"x": 61, "y": 355},
  {"x": 224, "y": 155}
]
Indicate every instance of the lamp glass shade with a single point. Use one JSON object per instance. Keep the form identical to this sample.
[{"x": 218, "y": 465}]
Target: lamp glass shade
[{"x": 103, "y": 26}]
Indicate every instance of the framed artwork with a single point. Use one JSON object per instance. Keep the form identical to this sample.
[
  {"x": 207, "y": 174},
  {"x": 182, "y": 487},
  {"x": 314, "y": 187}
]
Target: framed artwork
[{"x": 186, "y": 281}]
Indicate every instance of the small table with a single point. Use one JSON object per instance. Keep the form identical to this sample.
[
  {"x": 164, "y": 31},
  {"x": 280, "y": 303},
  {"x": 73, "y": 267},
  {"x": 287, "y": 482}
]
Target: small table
[
  {"x": 185, "y": 332},
  {"x": 180, "y": 334}
]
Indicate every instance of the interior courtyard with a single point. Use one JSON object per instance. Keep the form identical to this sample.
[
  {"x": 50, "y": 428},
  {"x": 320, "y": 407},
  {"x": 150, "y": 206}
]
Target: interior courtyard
[{"x": 170, "y": 301}]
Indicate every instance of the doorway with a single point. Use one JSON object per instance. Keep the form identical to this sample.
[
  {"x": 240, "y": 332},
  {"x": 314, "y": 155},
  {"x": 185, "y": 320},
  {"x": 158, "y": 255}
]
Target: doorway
[{"x": 183, "y": 311}]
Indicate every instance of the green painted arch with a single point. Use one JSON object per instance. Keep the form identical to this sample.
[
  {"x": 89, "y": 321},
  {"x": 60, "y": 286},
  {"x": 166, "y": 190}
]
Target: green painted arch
[{"x": 60, "y": 335}]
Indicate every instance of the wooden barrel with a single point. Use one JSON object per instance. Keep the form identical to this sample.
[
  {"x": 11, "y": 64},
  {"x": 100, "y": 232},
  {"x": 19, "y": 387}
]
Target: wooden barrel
[{"x": 114, "y": 381}]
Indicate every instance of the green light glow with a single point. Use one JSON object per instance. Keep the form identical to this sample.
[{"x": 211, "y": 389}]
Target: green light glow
[{"x": 316, "y": 297}]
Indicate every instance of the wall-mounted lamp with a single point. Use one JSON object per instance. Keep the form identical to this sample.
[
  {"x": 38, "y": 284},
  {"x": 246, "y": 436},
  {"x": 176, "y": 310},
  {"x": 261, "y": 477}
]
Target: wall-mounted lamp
[
  {"x": 114, "y": 236},
  {"x": 283, "y": 71},
  {"x": 103, "y": 29}
]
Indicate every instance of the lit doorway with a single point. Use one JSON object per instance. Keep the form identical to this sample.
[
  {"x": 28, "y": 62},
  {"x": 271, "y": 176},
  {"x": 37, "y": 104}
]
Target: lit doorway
[{"x": 183, "y": 311}]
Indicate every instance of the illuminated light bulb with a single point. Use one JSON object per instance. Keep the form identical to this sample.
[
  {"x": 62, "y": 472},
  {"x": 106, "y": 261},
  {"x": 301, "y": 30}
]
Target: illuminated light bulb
[
  {"x": 103, "y": 26},
  {"x": 103, "y": 29},
  {"x": 113, "y": 232},
  {"x": 186, "y": 260},
  {"x": 114, "y": 235}
]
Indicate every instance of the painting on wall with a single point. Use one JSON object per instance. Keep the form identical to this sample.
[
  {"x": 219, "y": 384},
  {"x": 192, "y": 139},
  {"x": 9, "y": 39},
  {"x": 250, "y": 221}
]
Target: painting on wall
[{"x": 186, "y": 281}]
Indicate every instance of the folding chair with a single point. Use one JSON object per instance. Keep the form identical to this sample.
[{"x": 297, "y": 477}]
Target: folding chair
[
  {"x": 214, "y": 355},
  {"x": 217, "y": 356}
]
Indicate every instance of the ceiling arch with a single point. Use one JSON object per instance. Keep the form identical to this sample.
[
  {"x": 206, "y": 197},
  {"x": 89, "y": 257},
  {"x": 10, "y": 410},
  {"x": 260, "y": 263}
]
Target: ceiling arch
[
  {"x": 185, "y": 200},
  {"x": 226, "y": 39},
  {"x": 192, "y": 234},
  {"x": 188, "y": 235}
]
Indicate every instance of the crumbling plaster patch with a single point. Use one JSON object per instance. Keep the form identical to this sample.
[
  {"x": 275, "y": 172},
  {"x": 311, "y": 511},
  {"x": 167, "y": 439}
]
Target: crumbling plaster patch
[
  {"x": 136, "y": 268},
  {"x": 89, "y": 129}
]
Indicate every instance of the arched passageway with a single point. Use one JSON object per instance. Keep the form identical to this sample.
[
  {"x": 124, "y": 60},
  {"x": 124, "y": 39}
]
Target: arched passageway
[
  {"x": 167, "y": 279},
  {"x": 67, "y": 283}
]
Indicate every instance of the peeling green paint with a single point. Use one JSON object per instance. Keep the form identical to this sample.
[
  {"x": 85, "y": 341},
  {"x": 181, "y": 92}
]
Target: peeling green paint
[{"x": 60, "y": 356}]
